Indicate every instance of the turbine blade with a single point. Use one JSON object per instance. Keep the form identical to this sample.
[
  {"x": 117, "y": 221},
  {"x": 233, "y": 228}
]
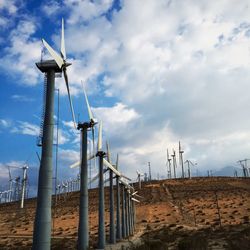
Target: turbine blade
[
  {"x": 99, "y": 146},
  {"x": 117, "y": 161},
  {"x": 93, "y": 143},
  {"x": 76, "y": 164},
  {"x": 54, "y": 54},
  {"x": 133, "y": 199},
  {"x": 94, "y": 178},
  {"x": 107, "y": 164},
  {"x": 87, "y": 103},
  {"x": 9, "y": 173},
  {"x": 63, "y": 52},
  {"x": 70, "y": 100},
  {"x": 125, "y": 177},
  {"x": 124, "y": 182},
  {"x": 108, "y": 152}
]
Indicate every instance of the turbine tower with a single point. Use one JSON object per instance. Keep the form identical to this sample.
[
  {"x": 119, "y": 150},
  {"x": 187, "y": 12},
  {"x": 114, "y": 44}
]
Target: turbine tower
[
  {"x": 42, "y": 224},
  {"x": 118, "y": 202},
  {"x": 101, "y": 222},
  {"x": 139, "y": 175},
  {"x": 83, "y": 229},
  {"x": 174, "y": 163},
  {"x": 189, "y": 169},
  {"x": 181, "y": 160},
  {"x": 24, "y": 184},
  {"x": 112, "y": 238},
  {"x": 169, "y": 165}
]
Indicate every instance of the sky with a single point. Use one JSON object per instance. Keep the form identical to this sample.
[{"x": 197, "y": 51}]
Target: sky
[{"x": 156, "y": 73}]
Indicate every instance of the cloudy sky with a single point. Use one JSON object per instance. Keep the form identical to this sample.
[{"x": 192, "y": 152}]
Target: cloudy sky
[{"x": 156, "y": 72}]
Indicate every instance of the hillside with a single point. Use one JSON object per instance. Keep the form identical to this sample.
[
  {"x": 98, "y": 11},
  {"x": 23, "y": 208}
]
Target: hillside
[{"x": 201, "y": 213}]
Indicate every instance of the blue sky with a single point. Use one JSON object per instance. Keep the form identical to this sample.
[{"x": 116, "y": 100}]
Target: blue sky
[{"x": 155, "y": 72}]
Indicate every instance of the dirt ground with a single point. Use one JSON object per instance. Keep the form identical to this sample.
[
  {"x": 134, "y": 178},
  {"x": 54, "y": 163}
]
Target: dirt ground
[{"x": 200, "y": 213}]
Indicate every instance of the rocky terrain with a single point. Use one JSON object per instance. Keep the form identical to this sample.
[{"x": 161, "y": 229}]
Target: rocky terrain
[{"x": 198, "y": 213}]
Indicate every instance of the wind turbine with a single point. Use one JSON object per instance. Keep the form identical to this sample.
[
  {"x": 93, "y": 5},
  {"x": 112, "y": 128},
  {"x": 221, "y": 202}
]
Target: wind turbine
[
  {"x": 42, "y": 224},
  {"x": 102, "y": 162},
  {"x": 112, "y": 237},
  {"x": 169, "y": 165},
  {"x": 181, "y": 159},
  {"x": 189, "y": 170},
  {"x": 101, "y": 224},
  {"x": 83, "y": 229},
  {"x": 139, "y": 175},
  {"x": 23, "y": 186},
  {"x": 149, "y": 172},
  {"x": 10, "y": 185},
  {"x": 174, "y": 163}
]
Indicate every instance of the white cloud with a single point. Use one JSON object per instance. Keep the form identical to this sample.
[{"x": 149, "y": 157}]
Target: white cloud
[
  {"x": 86, "y": 10},
  {"x": 51, "y": 8},
  {"x": 172, "y": 66},
  {"x": 4, "y": 123},
  {"x": 63, "y": 136},
  {"x": 177, "y": 70},
  {"x": 23, "y": 52},
  {"x": 22, "y": 98},
  {"x": 26, "y": 128},
  {"x": 116, "y": 118},
  {"x": 9, "y": 6}
]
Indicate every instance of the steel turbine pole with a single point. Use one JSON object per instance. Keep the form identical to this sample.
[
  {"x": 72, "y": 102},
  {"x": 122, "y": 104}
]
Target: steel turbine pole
[
  {"x": 24, "y": 182},
  {"x": 83, "y": 229},
  {"x": 123, "y": 213},
  {"x": 111, "y": 209},
  {"x": 127, "y": 213},
  {"x": 118, "y": 216},
  {"x": 42, "y": 225},
  {"x": 101, "y": 225}
]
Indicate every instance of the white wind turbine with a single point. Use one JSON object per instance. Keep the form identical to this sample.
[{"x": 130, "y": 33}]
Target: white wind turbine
[
  {"x": 139, "y": 175},
  {"x": 42, "y": 224}
]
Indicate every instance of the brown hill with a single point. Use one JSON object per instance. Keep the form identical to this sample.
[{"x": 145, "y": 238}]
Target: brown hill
[{"x": 201, "y": 213}]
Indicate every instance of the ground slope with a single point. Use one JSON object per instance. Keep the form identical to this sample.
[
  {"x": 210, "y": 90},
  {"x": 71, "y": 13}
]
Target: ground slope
[{"x": 200, "y": 213}]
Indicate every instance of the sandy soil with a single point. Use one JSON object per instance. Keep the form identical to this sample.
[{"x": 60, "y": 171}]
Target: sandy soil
[{"x": 201, "y": 213}]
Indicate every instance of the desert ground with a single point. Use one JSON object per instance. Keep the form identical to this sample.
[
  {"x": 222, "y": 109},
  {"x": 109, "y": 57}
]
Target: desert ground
[{"x": 197, "y": 213}]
